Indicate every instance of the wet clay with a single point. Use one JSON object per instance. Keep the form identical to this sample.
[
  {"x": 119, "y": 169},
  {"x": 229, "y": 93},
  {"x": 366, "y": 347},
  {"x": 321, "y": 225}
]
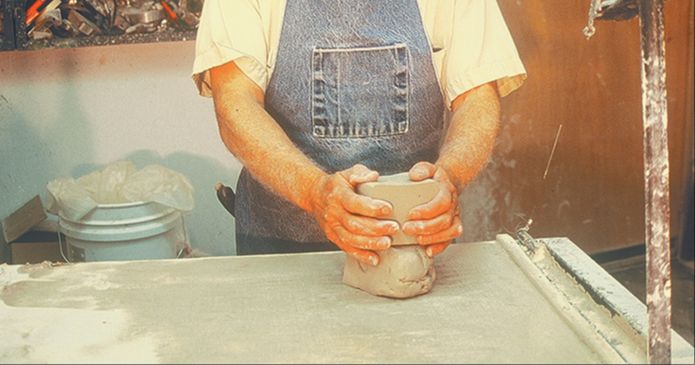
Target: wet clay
[
  {"x": 404, "y": 195},
  {"x": 403, "y": 272}
]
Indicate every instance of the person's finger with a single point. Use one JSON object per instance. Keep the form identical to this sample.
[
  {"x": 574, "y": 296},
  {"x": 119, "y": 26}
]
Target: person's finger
[
  {"x": 372, "y": 243},
  {"x": 440, "y": 174},
  {"x": 364, "y": 256},
  {"x": 421, "y": 171},
  {"x": 436, "y": 249},
  {"x": 448, "y": 234},
  {"x": 359, "y": 174},
  {"x": 355, "y": 180},
  {"x": 368, "y": 226},
  {"x": 365, "y": 206},
  {"x": 440, "y": 204},
  {"x": 429, "y": 226}
]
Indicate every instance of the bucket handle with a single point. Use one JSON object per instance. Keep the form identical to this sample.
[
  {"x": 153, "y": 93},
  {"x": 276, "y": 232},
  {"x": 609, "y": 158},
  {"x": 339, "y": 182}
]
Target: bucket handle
[
  {"x": 60, "y": 242},
  {"x": 186, "y": 241}
]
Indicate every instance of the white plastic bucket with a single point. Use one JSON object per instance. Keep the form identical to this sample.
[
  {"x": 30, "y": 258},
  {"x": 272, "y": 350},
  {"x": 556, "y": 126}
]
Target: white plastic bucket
[{"x": 129, "y": 231}]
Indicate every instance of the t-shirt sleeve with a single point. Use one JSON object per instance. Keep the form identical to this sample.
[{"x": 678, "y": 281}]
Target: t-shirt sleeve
[
  {"x": 481, "y": 50},
  {"x": 230, "y": 31}
]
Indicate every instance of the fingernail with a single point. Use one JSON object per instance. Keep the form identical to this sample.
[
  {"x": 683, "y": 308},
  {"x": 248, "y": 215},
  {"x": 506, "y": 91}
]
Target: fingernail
[
  {"x": 408, "y": 228},
  {"x": 384, "y": 243},
  {"x": 373, "y": 260},
  {"x": 384, "y": 209},
  {"x": 393, "y": 227},
  {"x": 429, "y": 251}
]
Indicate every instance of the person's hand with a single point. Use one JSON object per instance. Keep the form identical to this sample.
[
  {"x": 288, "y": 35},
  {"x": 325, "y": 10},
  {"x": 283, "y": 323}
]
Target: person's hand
[
  {"x": 351, "y": 220},
  {"x": 435, "y": 223}
]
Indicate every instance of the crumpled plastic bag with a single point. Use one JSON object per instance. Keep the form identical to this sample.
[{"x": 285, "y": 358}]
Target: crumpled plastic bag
[
  {"x": 68, "y": 196},
  {"x": 105, "y": 186},
  {"x": 119, "y": 182},
  {"x": 159, "y": 184}
]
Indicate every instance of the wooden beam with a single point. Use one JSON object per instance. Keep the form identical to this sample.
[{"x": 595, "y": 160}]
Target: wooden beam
[{"x": 656, "y": 180}]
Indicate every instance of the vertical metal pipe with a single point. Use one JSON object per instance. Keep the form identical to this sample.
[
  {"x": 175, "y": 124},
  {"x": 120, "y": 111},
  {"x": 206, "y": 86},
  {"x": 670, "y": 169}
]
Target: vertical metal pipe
[{"x": 656, "y": 180}]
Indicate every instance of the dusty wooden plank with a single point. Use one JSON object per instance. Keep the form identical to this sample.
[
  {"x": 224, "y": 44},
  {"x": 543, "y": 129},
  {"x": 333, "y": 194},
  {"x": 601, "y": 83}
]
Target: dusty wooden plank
[{"x": 656, "y": 180}]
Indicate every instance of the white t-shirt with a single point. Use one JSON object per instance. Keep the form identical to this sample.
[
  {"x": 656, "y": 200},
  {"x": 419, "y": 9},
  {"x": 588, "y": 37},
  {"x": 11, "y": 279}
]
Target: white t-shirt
[{"x": 473, "y": 43}]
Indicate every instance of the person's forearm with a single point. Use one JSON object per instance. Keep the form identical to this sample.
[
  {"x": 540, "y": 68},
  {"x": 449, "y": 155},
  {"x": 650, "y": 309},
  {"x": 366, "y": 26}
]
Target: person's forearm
[
  {"x": 254, "y": 137},
  {"x": 471, "y": 134}
]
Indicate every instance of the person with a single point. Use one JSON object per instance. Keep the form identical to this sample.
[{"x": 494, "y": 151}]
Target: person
[{"x": 317, "y": 96}]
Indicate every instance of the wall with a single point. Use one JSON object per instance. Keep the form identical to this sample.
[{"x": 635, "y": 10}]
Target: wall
[
  {"x": 67, "y": 112},
  {"x": 593, "y": 191}
]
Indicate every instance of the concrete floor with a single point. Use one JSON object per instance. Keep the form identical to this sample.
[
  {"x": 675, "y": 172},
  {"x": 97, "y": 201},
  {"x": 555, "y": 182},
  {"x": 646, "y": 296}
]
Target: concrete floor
[{"x": 631, "y": 273}]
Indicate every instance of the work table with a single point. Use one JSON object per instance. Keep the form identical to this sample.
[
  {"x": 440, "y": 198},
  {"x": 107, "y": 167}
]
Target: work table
[{"x": 486, "y": 306}]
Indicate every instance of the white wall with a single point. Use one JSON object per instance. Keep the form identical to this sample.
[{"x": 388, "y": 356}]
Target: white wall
[{"x": 67, "y": 112}]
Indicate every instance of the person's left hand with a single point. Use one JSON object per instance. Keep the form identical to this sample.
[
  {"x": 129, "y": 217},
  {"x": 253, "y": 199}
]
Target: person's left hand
[{"x": 435, "y": 223}]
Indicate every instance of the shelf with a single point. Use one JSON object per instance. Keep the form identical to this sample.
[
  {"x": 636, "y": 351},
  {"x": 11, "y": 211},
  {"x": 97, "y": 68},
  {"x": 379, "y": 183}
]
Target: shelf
[
  {"x": 7, "y": 29},
  {"x": 18, "y": 39},
  {"x": 23, "y": 43}
]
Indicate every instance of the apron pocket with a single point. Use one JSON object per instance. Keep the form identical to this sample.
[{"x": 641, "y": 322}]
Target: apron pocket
[{"x": 360, "y": 92}]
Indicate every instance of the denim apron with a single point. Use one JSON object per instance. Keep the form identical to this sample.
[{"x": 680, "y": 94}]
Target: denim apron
[{"x": 353, "y": 83}]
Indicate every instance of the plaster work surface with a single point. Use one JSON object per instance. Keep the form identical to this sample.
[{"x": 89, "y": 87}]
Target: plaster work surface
[{"x": 279, "y": 308}]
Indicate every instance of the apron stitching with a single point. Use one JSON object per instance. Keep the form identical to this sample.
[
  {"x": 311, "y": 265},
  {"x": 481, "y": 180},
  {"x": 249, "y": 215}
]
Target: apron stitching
[
  {"x": 362, "y": 49},
  {"x": 340, "y": 121},
  {"x": 400, "y": 122}
]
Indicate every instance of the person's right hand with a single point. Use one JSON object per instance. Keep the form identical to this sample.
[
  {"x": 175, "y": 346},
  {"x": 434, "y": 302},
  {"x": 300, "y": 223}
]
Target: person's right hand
[{"x": 351, "y": 220}]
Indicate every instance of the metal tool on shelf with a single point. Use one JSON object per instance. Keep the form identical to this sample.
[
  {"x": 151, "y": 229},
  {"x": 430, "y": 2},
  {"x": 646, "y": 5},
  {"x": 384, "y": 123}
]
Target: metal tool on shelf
[
  {"x": 46, "y": 19},
  {"x": 6, "y": 25}
]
